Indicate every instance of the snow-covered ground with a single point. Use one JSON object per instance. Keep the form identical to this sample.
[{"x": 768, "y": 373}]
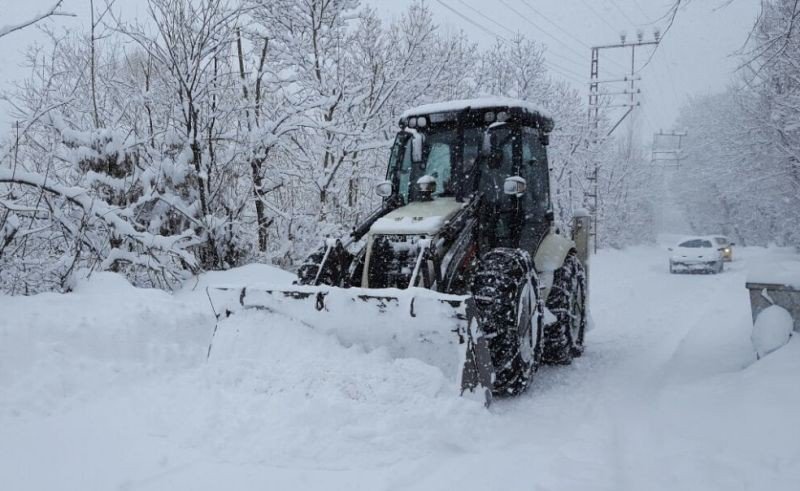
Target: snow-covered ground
[{"x": 109, "y": 388}]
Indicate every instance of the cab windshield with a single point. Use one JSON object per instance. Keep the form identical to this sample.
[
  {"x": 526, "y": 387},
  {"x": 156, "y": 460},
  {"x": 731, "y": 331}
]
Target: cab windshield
[{"x": 450, "y": 156}]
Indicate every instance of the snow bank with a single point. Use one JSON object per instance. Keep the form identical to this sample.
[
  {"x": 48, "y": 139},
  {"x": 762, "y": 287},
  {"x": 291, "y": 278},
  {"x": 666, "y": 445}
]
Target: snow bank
[
  {"x": 737, "y": 430},
  {"x": 54, "y": 347},
  {"x": 772, "y": 329},
  {"x": 115, "y": 379},
  {"x": 109, "y": 388}
]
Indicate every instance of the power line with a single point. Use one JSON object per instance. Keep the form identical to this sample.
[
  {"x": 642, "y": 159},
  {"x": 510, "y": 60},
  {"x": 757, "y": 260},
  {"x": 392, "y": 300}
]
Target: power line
[
  {"x": 641, "y": 10},
  {"x": 669, "y": 76},
  {"x": 670, "y": 16},
  {"x": 616, "y": 5},
  {"x": 556, "y": 39},
  {"x": 563, "y": 71},
  {"x": 544, "y": 17},
  {"x": 484, "y": 16},
  {"x": 649, "y": 103},
  {"x": 575, "y": 76},
  {"x": 596, "y": 13},
  {"x": 484, "y": 29}
]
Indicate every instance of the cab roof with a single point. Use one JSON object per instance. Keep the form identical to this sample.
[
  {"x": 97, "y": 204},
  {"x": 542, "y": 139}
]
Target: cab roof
[{"x": 518, "y": 106}]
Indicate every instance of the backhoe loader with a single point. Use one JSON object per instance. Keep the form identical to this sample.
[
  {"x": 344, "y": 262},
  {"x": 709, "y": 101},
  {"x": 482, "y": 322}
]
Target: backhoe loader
[{"x": 462, "y": 265}]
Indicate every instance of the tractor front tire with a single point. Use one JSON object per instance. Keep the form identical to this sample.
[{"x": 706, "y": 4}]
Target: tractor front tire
[
  {"x": 505, "y": 292},
  {"x": 563, "y": 339}
]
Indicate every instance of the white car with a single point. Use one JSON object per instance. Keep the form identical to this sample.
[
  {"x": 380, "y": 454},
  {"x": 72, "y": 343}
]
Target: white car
[{"x": 697, "y": 254}]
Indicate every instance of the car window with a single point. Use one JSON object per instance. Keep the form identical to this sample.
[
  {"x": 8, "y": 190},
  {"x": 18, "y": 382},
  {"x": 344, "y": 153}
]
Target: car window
[
  {"x": 721, "y": 240},
  {"x": 696, "y": 243}
]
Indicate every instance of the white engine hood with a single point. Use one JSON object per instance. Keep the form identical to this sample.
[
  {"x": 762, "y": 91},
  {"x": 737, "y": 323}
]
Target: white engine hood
[{"x": 417, "y": 218}]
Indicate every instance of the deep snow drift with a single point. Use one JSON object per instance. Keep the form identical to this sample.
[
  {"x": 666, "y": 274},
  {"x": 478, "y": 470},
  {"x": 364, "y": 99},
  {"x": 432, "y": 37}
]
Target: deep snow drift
[{"x": 109, "y": 388}]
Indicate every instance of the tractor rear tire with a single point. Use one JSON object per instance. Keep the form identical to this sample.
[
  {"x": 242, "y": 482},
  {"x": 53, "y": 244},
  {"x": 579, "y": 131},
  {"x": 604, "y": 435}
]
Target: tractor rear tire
[
  {"x": 563, "y": 339},
  {"x": 505, "y": 291}
]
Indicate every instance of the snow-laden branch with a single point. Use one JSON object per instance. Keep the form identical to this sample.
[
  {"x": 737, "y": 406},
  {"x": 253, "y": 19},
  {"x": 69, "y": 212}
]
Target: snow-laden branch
[
  {"x": 52, "y": 12},
  {"x": 151, "y": 244}
]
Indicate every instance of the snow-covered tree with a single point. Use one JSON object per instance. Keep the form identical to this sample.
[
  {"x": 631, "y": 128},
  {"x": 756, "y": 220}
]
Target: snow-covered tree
[{"x": 742, "y": 176}]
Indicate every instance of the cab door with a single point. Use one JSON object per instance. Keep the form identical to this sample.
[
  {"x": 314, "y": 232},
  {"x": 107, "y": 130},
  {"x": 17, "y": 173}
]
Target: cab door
[
  {"x": 500, "y": 213},
  {"x": 536, "y": 203}
]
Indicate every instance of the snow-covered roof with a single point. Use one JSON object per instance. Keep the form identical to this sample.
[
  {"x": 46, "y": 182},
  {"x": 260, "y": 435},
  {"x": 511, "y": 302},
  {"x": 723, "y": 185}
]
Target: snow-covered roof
[{"x": 478, "y": 103}]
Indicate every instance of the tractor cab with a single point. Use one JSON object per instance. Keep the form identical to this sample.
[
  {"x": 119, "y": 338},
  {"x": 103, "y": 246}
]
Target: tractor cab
[{"x": 490, "y": 149}]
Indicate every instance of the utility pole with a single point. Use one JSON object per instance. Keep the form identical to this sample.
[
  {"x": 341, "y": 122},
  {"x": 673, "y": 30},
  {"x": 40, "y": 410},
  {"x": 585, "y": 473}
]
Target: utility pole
[
  {"x": 668, "y": 147},
  {"x": 594, "y": 106}
]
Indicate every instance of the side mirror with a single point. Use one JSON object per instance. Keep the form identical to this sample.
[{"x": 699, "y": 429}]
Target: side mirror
[
  {"x": 515, "y": 185},
  {"x": 384, "y": 189},
  {"x": 669, "y": 249},
  {"x": 549, "y": 216},
  {"x": 732, "y": 244}
]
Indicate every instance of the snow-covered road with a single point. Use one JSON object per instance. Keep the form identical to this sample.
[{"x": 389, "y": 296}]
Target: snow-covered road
[{"x": 108, "y": 388}]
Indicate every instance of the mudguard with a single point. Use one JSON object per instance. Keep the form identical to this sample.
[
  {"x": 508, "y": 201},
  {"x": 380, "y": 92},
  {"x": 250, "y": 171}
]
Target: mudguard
[{"x": 550, "y": 256}]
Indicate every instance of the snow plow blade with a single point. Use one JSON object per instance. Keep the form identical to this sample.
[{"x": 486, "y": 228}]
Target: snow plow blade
[{"x": 438, "y": 329}]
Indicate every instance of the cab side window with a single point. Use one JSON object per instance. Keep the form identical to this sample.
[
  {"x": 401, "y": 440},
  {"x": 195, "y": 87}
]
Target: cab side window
[
  {"x": 400, "y": 170},
  {"x": 534, "y": 171}
]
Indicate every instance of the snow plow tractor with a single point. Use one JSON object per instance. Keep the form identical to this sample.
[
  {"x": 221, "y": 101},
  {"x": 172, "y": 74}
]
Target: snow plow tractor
[{"x": 462, "y": 266}]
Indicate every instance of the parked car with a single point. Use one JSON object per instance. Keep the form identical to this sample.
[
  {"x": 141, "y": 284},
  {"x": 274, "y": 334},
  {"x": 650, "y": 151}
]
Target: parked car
[
  {"x": 726, "y": 245},
  {"x": 696, "y": 254}
]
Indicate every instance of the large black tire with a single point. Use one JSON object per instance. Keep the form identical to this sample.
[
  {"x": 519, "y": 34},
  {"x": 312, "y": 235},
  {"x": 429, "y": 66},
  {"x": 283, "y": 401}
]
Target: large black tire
[
  {"x": 332, "y": 269},
  {"x": 505, "y": 292},
  {"x": 563, "y": 339}
]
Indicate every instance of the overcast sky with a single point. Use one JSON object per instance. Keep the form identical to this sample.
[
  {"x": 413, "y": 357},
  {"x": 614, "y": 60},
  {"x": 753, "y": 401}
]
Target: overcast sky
[{"x": 695, "y": 56}]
